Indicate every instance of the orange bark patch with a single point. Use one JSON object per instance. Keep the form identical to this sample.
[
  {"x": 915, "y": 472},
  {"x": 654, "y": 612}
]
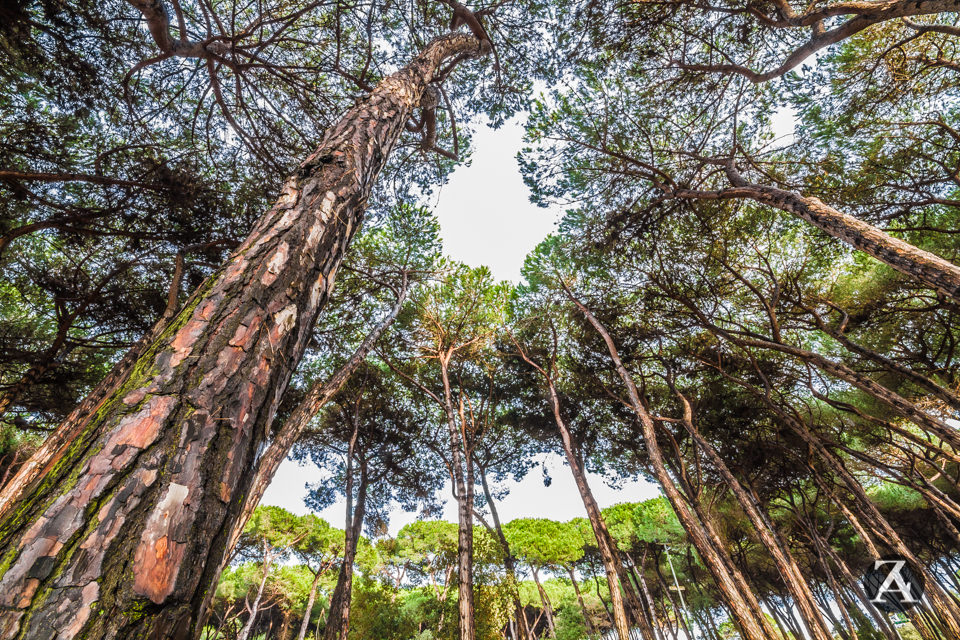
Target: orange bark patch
[
  {"x": 157, "y": 561},
  {"x": 141, "y": 429}
]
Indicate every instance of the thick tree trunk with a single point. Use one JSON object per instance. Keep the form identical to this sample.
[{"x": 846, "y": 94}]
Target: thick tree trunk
[
  {"x": 752, "y": 624},
  {"x": 134, "y": 509},
  {"x": 311, "y": 598},
  {"x": 316, "y": 397},
  {"x": 338, "y": 619},
  {"x": 608, "y": 551}
]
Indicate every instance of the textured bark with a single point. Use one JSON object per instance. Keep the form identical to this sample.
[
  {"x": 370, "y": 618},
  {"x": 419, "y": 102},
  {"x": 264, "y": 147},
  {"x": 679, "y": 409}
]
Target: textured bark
[
  {"x": 746, "y": 614},
  {"x": 608, "y": 550},
  {"x": 932, "y": 270},
  {"x": 124, "y": 530},
  {"x": 293, "y": 427}
]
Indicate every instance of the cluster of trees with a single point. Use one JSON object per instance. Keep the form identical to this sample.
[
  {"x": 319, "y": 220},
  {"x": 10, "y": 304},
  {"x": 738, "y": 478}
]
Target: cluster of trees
[{"x": 765, "y": 326}]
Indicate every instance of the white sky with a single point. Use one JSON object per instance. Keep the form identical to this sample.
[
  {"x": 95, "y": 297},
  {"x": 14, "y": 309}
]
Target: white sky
[{"x": 486, "y": 217}]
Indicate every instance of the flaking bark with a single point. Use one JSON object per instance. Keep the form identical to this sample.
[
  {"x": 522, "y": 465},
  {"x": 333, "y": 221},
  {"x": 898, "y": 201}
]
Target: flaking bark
[{"x": 124, "y": 530}]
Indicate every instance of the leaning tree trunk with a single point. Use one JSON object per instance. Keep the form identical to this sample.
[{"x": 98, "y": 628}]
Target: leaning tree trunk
[
  {"x": 255, "y": 607},
  {"x": 609, "y": 554},
  {"x": 746, "y": 612},
  {"x": 123, "y": 531},
  {"x": 311, "y": 598},
  {"x": 545, "y": 601},
  {"x": 587, "y": 622},
  {"x": 292, "y": 428},
  {"x": 930, "y": 269}
]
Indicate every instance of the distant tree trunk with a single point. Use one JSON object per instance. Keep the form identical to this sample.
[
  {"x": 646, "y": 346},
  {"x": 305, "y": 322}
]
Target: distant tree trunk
[
  {"x": 255, "y": 607},
  {"x": 338, "y": 619},
  {"x": 792, "y": 576},
  {"x": 509, "y": 563},
  {"x": 545, "y": 600},
  {"x": 285, "y": 626},
  {"x": 461, "y": 468},
  {"x": 583, "y": 606},
  {"x": 133, "y": 509},
  {"x": 746, "y": 612},
  {"x": 605, "y": 544},
  {"x": 305, "y": 623}
]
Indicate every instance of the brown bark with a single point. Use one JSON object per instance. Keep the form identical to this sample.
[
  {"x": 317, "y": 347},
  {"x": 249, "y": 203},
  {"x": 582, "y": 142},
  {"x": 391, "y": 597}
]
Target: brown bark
[
  {"x": 338, "y": 619},
  {"x": 588, "y": 623},
  {"x": 293, "y": 427},
  {"x": 255, "y": 607},
  {"x": 746, "y": 612},
  {"x": 947, "y": 610},
  {"x": 545, "y": 600},
  {"x": 932, "y": 270},
  {"x": 792, "y": 575},
  {"x": 311, "y": 598},
  {"x": 509, "y": 563},
  {"x": 605, "y": 544},
  {"x": 134, "y": 511}
]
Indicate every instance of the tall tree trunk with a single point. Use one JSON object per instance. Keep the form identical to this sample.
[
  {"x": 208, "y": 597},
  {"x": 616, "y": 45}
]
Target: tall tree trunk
[
  {"x": 545, "y": 600},
  {"x": 747, "y": 615},
  {"x": 792, "y": 576},
  {"x": 461, "y": 463},
  {"x": 583, "y": 606},
  {"x": 605, "y": 544},
  {"x": 134, "y": 509},
  {"x": 316, "y": 397},
  {"x": 509, "y": 562},
  {"x": 305, "y": 623},
  {"x": 255, "y": 607},
  {"x": 338, "y": 619}
]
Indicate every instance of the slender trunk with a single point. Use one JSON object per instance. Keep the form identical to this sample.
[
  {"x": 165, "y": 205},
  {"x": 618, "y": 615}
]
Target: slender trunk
[
  {"x": 338, "y": 619},
  {"x": 134, "y": 509},
  {"x": 751, "y": 625},
  {"x": 678, "y": 612},
  {"x": 545, "y": 600},
  {"x": 462, "y": 471},
  {"x": 509, "y": 562},
  {"x": 255, "y": 607},
  {"x": 647, "y": 596},
  {"x": 605, "y": 543},
  {"x": 792, "y": 575},
  {"x": 285, "y": 627},
  {"x": 310, "y": 600},
  {"x": 583, "y": 606}
]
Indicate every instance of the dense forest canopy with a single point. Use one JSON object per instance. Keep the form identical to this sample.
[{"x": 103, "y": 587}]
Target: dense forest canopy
[{"x": 217, "y": 253}]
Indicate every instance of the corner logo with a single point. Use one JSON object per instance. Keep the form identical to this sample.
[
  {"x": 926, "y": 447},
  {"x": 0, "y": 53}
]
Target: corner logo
[{"x": 891, "y": 586}]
